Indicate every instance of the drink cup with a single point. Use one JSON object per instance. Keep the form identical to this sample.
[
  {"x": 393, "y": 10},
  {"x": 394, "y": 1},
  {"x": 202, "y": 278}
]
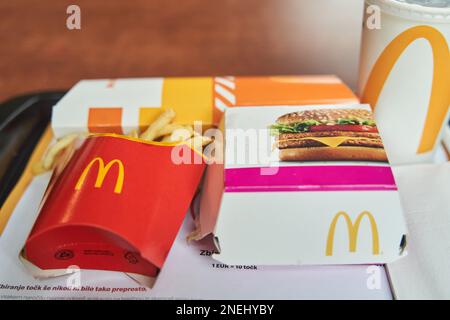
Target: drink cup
[{"x": 405, "y": 74}]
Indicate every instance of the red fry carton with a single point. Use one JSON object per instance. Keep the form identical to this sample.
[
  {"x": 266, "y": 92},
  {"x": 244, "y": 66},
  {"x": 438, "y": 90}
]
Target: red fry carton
[{"x": 116, "y": 204}]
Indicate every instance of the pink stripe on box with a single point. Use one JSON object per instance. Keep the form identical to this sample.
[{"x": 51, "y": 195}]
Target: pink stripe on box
[{"x": 310, "y": 178}]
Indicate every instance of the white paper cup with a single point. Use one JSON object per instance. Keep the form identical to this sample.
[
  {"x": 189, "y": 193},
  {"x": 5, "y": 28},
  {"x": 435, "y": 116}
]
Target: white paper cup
[{"x": 405, "y": 76}]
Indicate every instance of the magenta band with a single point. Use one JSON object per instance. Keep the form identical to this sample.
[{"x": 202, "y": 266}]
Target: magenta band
[{"x": 310, "y": 178}]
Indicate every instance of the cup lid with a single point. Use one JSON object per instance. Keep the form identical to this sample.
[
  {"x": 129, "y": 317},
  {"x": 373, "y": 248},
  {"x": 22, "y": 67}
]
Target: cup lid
[{"x": 421, "y": 10}]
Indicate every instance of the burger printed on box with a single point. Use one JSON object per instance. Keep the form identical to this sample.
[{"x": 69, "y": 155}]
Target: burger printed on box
[
  {"x": 302, "y": 185},
  {"x": 328, "y": 134}
]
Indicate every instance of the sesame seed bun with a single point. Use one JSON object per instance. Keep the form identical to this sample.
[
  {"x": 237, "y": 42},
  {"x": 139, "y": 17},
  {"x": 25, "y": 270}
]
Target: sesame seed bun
[{"x": 325, "y": 115}]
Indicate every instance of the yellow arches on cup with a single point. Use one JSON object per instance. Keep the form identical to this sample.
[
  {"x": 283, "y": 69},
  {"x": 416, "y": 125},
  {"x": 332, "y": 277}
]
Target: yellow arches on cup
[{"x": 440, "y": 90}]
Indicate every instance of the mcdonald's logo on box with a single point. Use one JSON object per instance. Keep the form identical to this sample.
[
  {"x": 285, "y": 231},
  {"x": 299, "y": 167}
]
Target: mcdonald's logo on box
[
  {"x": 304, "y": 211},
  {"x": 308, "y": 227},
  {"x": 353, "y": 232},
  {"x": 116, "y": 204},
  {"x": 102, "y": 171}
]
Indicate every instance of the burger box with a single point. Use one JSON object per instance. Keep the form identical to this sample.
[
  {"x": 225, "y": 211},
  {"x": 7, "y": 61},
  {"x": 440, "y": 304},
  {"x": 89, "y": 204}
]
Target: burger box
[
  {"x": 113, "y": 203},
  {"x": 122, "y": 105},
  {"x": 301, "y": 185}
]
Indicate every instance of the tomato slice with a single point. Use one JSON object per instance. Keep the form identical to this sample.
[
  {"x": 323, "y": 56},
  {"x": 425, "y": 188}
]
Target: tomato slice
[{"x": 344, "y": 127}]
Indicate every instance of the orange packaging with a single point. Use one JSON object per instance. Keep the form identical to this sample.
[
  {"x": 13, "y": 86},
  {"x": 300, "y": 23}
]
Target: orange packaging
[{"x": 122, "y": 105}]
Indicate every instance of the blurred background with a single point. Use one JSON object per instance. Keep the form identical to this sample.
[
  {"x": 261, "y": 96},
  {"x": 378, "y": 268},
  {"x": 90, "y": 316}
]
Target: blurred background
[{"x": 175, "y": 38}]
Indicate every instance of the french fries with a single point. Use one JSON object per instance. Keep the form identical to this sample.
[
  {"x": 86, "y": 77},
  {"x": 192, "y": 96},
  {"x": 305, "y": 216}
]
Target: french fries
[
  {"x": 168, "y": 129},
  {"x": 162, "y": 121},
  {"x": 162, "y": 129},
  {"x": 50, "y": 157},
  {"x": 38, "y": 168},
  {"x": 180, "y": 134},
  {"x": 134, "y": 134},
  {"x": 198, "y": 142}
]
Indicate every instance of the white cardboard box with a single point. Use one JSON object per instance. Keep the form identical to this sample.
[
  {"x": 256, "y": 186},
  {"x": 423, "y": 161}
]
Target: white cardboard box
[
  {"x": 304, "y": 212},
  {"x": 122, "y": 105}
]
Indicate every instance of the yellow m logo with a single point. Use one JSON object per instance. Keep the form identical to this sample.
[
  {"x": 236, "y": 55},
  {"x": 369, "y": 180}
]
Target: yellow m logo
[
  {"x": 353, "y": 232},
  {"x": 101, "y": 174},
  {"x": 440, "y": 87}
]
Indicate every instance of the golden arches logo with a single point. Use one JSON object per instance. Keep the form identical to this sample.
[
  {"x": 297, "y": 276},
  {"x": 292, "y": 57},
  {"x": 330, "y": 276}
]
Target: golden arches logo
[
  {"x": 102, "y": 172},
  {"x": 353, "y": 232},
  {"x": 440, "y": 91}
]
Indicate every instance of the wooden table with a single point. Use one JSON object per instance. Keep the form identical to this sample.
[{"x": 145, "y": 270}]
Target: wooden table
[{"x": 168, "y": 38}]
